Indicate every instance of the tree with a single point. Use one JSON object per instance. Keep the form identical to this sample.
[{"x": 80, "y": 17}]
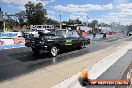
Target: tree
[
  {"x": 35, "y": 13},
  {"x": 94, "y": 22},
  {"x": 72, "y": 22},
  {"x": 77, "y": 21},
  {"x": 50, "y": 21},
  {"x": 21, "y": 18},
  {"x": 103, "y": 25},
  {"x": 9, "y": 21},
  {"x": 65, "y": 22}
]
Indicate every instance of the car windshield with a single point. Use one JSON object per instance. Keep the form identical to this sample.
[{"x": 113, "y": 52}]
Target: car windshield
[
  {"x": 61, "y": 33},
  {"x": 66, "y": 33}
]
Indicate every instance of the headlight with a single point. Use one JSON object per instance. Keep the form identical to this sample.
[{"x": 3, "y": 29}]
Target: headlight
[{"x": 41, "y": 42}]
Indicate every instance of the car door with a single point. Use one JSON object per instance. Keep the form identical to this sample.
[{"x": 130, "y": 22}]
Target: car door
[
  {"x": 61, "y": 37},
  {"x": 76, "y": 39},
  {"x": 69, "y": 40}
]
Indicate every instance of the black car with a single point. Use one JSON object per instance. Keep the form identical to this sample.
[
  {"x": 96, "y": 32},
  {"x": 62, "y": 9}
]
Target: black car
[{"x": 55, "y": 42}]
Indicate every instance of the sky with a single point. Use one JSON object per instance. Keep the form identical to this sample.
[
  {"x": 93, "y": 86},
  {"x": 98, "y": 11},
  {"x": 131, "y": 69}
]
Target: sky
[{"x": 107, "y": 11}]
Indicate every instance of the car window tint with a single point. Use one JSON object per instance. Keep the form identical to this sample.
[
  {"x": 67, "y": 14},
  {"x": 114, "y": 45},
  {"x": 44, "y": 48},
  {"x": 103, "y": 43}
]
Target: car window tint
[{"x": 75, "y": 34}]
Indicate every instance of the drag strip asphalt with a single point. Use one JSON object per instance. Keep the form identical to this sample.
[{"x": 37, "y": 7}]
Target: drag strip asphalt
[{"x": 19, "y": 61}]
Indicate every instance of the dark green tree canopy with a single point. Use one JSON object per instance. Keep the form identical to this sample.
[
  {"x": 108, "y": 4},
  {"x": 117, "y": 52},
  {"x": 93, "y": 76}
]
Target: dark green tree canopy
[
  {"x": 35, "y": 13},
  {"x": 51, "y": 22},
  {"x": 72, "y": 22}
]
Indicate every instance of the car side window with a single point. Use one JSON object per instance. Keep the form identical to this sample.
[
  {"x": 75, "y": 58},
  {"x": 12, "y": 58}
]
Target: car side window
[
  {"x": 69, "y": 34},
  {"x": 75, "y": 34}
]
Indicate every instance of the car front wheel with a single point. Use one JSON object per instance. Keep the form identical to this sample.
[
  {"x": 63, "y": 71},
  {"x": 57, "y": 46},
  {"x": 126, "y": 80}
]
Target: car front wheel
[{"x": 54, "y": 51}]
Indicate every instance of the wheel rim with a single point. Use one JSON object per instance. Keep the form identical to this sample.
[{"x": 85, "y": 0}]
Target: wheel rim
[
  {"x": 54, "y": 51},
  {"x": 84, "y": 45}
]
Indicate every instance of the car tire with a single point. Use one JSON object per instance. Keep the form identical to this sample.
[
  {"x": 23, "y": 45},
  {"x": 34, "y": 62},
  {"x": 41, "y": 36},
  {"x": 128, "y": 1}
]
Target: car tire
[
  {"x": 35, "y": 50},
  {"x": 54, "y": 51},
  {"x": 84, "y": 45},
  {"x": 80, "y": 46}
]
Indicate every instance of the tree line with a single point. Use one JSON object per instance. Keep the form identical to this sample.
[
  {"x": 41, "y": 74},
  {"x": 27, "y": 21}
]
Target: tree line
[{"x": 34, "y": 14}]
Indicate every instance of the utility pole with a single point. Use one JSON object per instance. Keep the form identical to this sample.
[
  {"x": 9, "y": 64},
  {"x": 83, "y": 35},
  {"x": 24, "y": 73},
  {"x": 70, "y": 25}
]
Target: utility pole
[
  {"x": 60, "y": 21},
  {"x": 1, "y": 20},
  {"x": 4, "y": 24},
  {"x": 87, "y": 21}
]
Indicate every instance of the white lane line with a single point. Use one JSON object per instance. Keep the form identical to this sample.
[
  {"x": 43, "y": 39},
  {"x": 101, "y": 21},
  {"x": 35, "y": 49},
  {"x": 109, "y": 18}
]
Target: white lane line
[{"x": 96, "y": 70}]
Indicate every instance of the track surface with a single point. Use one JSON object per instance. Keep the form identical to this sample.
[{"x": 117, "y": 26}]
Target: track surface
[
  {"x": 15, "y": 62},
  {"x": 118, "y": 70}
]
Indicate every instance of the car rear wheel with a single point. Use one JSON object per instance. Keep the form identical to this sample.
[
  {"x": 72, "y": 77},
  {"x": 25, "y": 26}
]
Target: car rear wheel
[
  {"x": 54, "y": 51},
  {"x": 80, "y": 47},
  {"x": 84, "y": 45}
]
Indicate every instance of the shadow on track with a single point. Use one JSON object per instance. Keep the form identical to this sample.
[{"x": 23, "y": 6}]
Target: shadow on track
[{"x": 30, "y": 56}]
